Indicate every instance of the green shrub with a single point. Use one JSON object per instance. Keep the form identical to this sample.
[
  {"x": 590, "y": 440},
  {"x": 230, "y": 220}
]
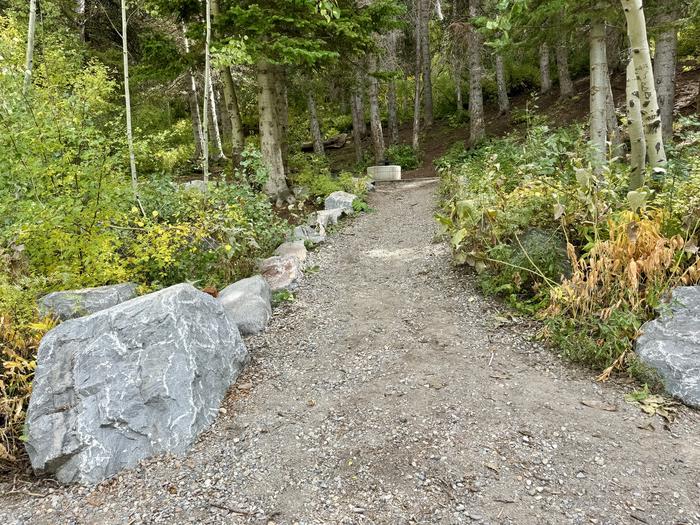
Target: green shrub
[
  {"x": 313, "y": 173},
  {"x": 558, "y": 241},
  {"x": 402, "y": 155}
]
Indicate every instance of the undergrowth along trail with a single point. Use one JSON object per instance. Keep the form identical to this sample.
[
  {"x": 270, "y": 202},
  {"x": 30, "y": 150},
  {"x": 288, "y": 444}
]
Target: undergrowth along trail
[{"x": 390, "y": 390}]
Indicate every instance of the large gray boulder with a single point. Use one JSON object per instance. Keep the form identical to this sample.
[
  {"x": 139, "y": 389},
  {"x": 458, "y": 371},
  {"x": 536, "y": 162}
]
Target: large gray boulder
[
  {"x": 138, "y": 379},
  {"x": 340, "y": 199},
  {"x": 70, "y": 304},
  {"x": 671, "y": 345},
  {"x": 281, "y": 272},
  {"x": 247, "y": 302}
]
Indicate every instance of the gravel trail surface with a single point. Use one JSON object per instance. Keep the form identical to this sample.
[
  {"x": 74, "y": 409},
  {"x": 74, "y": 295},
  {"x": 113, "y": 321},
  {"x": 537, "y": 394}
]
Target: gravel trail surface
[{"x": 391, "y": 391}]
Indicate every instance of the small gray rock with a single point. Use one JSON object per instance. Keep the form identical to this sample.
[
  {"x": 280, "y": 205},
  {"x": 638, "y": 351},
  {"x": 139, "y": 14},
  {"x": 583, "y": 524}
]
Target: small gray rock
[
  {"x": 321, "y": 219},
  {"x": 293, "y": 248},
  {"x": 340, "y": 199},
  {"x": 70, "y": 304},
  {"x": 307, "y": 233},
  {"x": 196, "y": 185},
  {"x": 671, "y": 345},
  {"x": 247, "y": 302},
  {"x": 281, "y": 272},
  {"x": 135, "y": 380}
]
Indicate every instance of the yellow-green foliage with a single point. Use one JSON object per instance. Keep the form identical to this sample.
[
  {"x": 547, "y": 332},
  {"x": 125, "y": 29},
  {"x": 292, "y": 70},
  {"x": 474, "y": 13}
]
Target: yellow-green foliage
[
  {"x": 312, "y": 172},
  {"x": 20, "y": 333}
]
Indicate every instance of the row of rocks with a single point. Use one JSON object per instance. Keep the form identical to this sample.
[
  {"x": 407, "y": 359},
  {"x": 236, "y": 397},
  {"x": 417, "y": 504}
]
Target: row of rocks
[{"x": 126, "y": 377}]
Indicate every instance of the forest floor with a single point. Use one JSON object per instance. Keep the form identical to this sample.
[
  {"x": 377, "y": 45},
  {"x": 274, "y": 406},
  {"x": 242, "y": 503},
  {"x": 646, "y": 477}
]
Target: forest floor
[{"x": 391, "y": 391}]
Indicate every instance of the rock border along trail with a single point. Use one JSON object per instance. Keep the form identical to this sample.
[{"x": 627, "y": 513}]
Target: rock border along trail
[{"x": 391, "y": 391}]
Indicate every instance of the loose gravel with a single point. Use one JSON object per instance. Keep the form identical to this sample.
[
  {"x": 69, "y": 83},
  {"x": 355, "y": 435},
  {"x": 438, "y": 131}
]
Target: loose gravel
[{"x": 391, "y": 391}]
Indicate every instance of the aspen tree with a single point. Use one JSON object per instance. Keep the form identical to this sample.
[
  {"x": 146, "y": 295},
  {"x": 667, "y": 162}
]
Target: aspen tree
[
  {"x": 641, "y": 57},
  {"x": 127, "y": 102},
  {"x": 29, "y": 61}
]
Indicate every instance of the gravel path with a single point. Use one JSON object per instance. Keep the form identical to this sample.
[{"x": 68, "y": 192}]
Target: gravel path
[{"x": 391, "y": 391}]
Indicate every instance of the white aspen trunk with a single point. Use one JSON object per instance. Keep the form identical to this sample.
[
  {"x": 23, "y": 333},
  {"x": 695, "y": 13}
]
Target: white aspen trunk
[
  {"x": 231, "y": 101},
  {"x": 566, "y": 86},
  {"x": 196, "y": 123},
  {"x": 375, "y": 117},
  {"x": 545, "y": 78},
  {"x": 426, "y": 62},
  {"x": 635, "y": 128},
  {"x": 207, "y": 89},
  {"x": 665, "y": 74},
  {"x": 276, "y": 184},
  {"x": 357, "y": 124},
  {"x": 599, "y": 67},
  {"x": 80, "y": 13},
  {"x": 218, "y": 148},
  {"x": 415, "y": 137},
  {"x": 127, "y": 103},
  {"x": 477, "y": 129},
  {"x": 614, "y": 135},
  {"x": 503, "y": 102},
  {"x": 194, "y": 104},
  {"x": 29, "y": 60},
  {"x": 637, "y": 33},
  {"x": 314, "y": 125},
  {"x": 438, "y": 10}
]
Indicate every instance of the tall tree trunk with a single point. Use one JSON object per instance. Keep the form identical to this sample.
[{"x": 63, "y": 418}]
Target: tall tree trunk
[
  {"x": 283, "y": 114},
  {"x": 545, "y": 77},
  {"x": 415, "y": 137},
  {"x": 207, "y": 90},
  {"x": 477, "y": 129},
  {"x": 193, "y": 99},
  {"x": 665, "y": 72},
  {"x": 218, "y": 149},
  {"x": 566, "y": 86},
  {"x": 276, "y": 185},
  {"x": 360, "y": 83},
  {"x": 599, "y": 90},
  {"x": 503, "y": 102},
  {"x": 375, "y": 117},
  {"x": 357, "y": 125},
  {"x": 426, "y": 63},
  {"x": 637, "y": 32},
  {"x": 638, "y": 150},
  {"x": 127, "y": 104},
  {"x": 457, "y": 73},
  {"x": 614, "y": 135},
  {"x": 80, "y": 15},
  {"x": 438, "y": 10},
  {"x": 29, "y": 60},
  {"x": 232, "y": 109},
  {"x": 392, "y": 118},
  {"x": 196, "y": 122},
  {"x": 314, "y": 126}
]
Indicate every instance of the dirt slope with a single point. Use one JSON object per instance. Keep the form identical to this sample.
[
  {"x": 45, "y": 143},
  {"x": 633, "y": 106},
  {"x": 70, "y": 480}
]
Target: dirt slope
[{"x": 392, "y": 392}]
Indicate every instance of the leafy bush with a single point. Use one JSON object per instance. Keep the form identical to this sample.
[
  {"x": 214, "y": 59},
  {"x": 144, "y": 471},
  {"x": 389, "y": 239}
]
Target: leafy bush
[
  {"x": 560, "y": 242},
  {"x": 312, "y": 172},
  {"x": 402, "y": 155}
]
